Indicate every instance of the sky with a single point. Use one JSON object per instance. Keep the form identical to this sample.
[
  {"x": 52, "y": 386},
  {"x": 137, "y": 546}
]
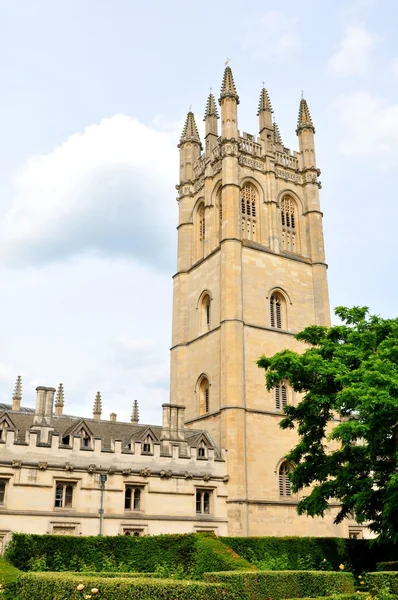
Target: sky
[{"x": 93, "y": 98}]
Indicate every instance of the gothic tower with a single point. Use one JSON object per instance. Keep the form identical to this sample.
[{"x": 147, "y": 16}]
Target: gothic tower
[{"x": 251, "y": 273}]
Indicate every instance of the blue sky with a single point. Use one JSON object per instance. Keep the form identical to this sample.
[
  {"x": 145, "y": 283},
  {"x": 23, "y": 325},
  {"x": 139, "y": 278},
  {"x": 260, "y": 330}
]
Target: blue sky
[{"x": 93, "y": 97}]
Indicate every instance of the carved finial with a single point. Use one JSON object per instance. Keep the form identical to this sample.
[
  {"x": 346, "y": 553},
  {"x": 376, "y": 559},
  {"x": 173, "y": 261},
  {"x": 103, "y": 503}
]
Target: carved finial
[
  {"x": 228, "y": 86},
  {"x": 59, "y": 400},
  {"x": 97, "y": 409},
  {"x": 304, "y": 118},
  {"x": 227, "y": 62},
  {"x": 302, "y": 94},
  {"x": 190, "y": 132},
  {"x": 135, "y": 415},
  {"x": 17, "y": 396},
  {"x": 277, "y": 135},
  {"x": 264, "y": 102},
  {"x": 211, "y": 108}
]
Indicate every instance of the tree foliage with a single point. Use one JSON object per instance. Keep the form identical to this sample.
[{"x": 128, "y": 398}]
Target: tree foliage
[{"x": 346, "y": 419}]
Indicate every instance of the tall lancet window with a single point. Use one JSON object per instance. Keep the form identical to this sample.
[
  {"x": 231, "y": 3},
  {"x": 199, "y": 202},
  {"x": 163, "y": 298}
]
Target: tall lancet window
[
  {"x": 248, "y": 199},
  {"x": 277, "y": 309},
  {"x": 289, "y": 225},
  {"x": 219, "y": 211},
  {"x": 284, "y": 481},
  {"x": 201, "y": 231}
]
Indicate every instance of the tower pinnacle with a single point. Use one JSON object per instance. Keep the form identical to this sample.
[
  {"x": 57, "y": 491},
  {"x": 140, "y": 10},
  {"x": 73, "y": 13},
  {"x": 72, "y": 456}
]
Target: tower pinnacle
[
  {"x": 228, "y": 89},
  {"x": 264, "y": 102},
  {"x": 277, "y": 135},
  {"x": 17, "y": 396},
  {"x": 59, "y": 400},
  {"x": 304, "y": 118},
  {"x": 211, "y": 108},
  {"x": 97, "y": 408},
  {"x": 135, "y": 416},
  {"x": 190, "y": 131}
]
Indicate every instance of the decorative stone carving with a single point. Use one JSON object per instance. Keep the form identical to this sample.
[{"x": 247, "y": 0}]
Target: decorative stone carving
[
  {"x": 199, "y": 184},
  {"x": 225, "y": 478},
  {"x": 16, "y": 464},
  {"x": 92, "y": 468},
  {"x": 251, "y": 162},
  {"x": 216, "y": 167},
  {"x": 230, "y": 149},
  {"x": 166, "y": 474},
  {"x": 145, "y": 472},
  {"x": 69, "y": 466},
  {"x": 206, "y": 477},
  {"x": 111, "y": 470},
  {"x": 42, "y": 466},
  {"x": 188, "y": 475},
  {"x": 288, "y": 176},
  {"x": 126, "y": 472}
]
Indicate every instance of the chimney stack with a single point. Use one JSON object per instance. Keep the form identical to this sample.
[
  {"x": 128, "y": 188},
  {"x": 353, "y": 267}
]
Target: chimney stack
[
  {"x": 49, "y": 404},
  {"x": 59, "y": 401},
  {"x": 112, "y": 417},
  {"x": 17, "y": 396}
]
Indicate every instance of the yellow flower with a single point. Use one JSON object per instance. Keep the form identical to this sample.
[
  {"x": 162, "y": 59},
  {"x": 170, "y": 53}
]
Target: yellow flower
[
  {"x": 87, "y": 596},
  {"x": 359, "y": 576},
  {"x": 94, "y": 591},
  {"x": 362, "y": 583},
  {"x": 80, "y": 587},
  {"x": 341, "y": 567},
  {"x": 324, "y": 560}
]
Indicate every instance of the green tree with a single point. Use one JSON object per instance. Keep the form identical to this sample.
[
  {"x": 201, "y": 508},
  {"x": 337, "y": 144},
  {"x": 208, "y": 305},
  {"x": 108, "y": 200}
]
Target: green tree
[{"x": 346, "y": 419}]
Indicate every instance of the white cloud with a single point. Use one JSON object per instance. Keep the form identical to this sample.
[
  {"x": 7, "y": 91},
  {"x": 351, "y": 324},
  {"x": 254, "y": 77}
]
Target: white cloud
[
  {"x": 369, "y": 127},
  {"x": 107, "y": 190},
  {"x": 274, "y": 35},
  {"x": 354, "y": 56}
]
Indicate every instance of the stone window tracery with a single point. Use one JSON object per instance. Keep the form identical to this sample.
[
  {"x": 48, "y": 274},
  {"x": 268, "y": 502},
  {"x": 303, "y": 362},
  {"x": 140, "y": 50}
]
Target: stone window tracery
[
  {"x": 201, "y": 231},
  {"x": 289, "y": 224},
  {"x": 248, "y": 209},
  {"x": 284, "y": 482},
  {"x": 280, "y": 396},
  {"x": 203, "y": 498},
  {"x": 204, "y": 396},
  {"x": 63, "y": 494},
  {"x": 132, "y": 497},
  {"x": 277, "y": 311}
]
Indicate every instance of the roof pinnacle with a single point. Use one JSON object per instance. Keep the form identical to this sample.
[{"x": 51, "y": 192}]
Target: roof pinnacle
[
  {"x": 59, "y": 397},
  {"x": 228, "y": 88},
  {"x": 190, "y": 132},
  {"x": 277, "y": 135},
  {"x": 304, "y": 118},
  {"x": 135, "y": 415},
  {"x": 211, "y": 107},
  {"x": 265, "y": 102},
  {"x": 18, "y": 389},
  {"x": 97, "y": 408}
]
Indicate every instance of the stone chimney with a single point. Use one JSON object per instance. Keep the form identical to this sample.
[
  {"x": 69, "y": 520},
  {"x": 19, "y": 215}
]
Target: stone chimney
[
  {"x": 97, "y": 408},
  {"x": 113, "y": 417},
  {"x": 173, "y": 427},
  {"x": 135, "y": 415},
  {"x": 49, "y": 404},
  {"x": 40, "y": 405},
  {"x": 59, "y": 401},
  {"x": 17, "y": 396}
]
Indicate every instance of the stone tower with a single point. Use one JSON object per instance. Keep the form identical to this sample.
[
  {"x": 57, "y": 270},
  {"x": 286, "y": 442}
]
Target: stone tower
[{"x": 251, "y": 273}]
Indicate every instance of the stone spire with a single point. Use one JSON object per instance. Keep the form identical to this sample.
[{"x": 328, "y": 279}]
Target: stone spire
[
  {"x": 277, "y": 135},
  {"x": 135, "y": 415},
  {"x": 264, "y": 103},
  {"x": 228, "y": 89},
  {"x": 17, "y": 396},
  {"x": 211, "y": 107},
  {"x": 304, "y": 120},
  {"x": 190, "y": 132},
  {"x": 59, "y": 400},
  {"x": 97, "y": 409}
]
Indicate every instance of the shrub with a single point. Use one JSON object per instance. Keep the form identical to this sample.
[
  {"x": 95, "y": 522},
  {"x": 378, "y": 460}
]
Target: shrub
[
  {"x": 177, "y": 556},
  {"x": 391, "y": 565},
  {"x": 356, "y": 596},
  {"x": 386, "y": 581},
  {"x": 284, "y": 584},
  {"x": 314, "y": 553},
  {"x": 47, "y": 586},
  {"x": 8, "y": 578}
]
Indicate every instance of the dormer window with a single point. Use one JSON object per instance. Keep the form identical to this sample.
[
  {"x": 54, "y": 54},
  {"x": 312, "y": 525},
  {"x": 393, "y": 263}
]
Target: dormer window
[
  {"x": 86, "y": 439},
  {"x": 201, "y": 451},
  {"x": 3, "y": 427},
  {"x": 147, "y": 445}
]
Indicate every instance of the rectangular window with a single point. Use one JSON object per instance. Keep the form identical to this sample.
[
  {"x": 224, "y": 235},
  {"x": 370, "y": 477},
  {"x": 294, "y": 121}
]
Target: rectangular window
[
  {"x": 132, "y": 498},
  {"x": 203, "y": 498},
  {"x": 63, "y": 494},
  {"x": 3, "y": 484}
]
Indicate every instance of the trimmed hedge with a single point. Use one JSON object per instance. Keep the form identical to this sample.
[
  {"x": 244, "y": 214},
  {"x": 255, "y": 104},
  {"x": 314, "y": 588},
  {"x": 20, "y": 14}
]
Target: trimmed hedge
[
  {"x": 191, "y": 554},
  {"x": 8, "y": 573},
  {"x": 313, "y": 552},
  {"x": 111, "y": 574},
  {"x": 47, "y": 586},
  {"x": 356, "y": 596},
  {"x": 391, "y": 565},
  {"x": 382, "y": 579},
  {"x": 284, "y": 584}
]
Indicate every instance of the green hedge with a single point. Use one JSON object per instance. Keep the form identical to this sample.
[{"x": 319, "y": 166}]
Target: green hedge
[
  {"x": 391, "y": 565},
  {"x": 356, "y": 596},
  {"x": 382, "y": 579},
  {"x": 50, "y": 586},
  {"x": 312, "y": 553},
  {"x": 284, "y": 584},
  {"x": 110, "y": 574},
  {"x": 191, "y": 554}
]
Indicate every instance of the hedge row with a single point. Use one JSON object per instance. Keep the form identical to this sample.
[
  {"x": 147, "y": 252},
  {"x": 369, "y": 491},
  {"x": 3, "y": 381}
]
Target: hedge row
[
  {"x": 47, "y": 586},
  {"x": 391, "y": 565},
  {"x": 191, "y": 554},
  {"x": 284, "y": 584},
  {"x": 110, "y": 574},
  {"x": 382, "y": 580},
  {"x": 356, "y": 596},
  {"x": 311, "y": 552}
]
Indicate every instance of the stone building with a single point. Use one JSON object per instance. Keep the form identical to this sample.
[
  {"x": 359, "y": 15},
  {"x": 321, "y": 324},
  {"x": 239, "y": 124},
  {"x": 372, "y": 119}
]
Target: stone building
[{"x": 251, "y": 273}]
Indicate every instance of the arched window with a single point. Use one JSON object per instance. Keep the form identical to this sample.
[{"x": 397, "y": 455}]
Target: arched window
[
  {"x": 204, "y": 396},
  {"x": 201, "y": 452},
  {"x": 284, "y": 482},
  {"x": 201, "y": 230},
  {"x": 289, "y": 224},
  {"x": 248, "y": 200},
  {"x": 219, "y": 210},
  {"x": 147, "y": 445},
  {"x": 280, "y": 396},
  {"x": 277, "y": 307},
  {"x": 205, "y": 313}
]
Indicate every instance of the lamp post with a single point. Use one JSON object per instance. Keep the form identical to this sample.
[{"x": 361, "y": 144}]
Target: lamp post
[{"x": 103, "y": 478}]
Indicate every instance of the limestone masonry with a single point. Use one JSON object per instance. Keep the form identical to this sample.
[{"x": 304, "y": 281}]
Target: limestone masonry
[{"x": 251, "y": 273}]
